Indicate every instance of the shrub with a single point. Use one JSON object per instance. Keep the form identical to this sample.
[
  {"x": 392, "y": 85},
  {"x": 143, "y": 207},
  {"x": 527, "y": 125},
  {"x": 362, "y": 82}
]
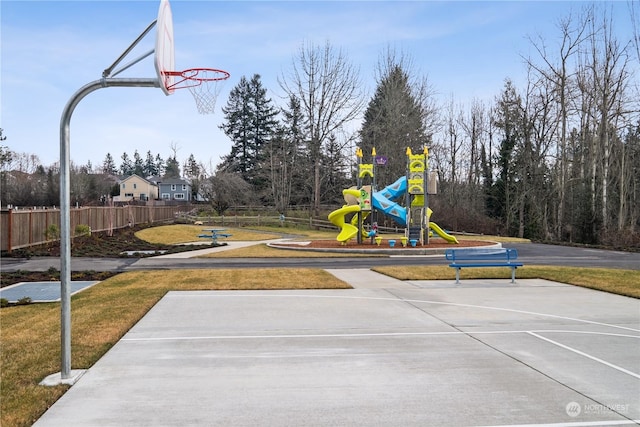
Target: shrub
[
  {"x": 83, "y": 230},
  {"x": 54, "y": 274},
  {"x": 24, "y": 301},
  {"x": 52, "y": 232}
]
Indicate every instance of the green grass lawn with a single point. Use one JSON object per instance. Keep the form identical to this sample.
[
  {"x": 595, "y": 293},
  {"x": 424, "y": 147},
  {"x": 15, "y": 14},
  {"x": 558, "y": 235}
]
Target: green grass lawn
[
  {"x": 621, "y": 282},
  {"x": 101, "y": 315}
]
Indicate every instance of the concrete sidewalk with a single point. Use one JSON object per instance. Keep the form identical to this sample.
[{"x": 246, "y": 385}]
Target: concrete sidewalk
[
  {"x": 363, "y": 278},
  {"x": 229, "y": 246},
  {"x": 387, "y": 353}
]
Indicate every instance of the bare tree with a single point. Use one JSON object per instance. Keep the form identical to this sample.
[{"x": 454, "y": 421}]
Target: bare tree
[
  {"x": 474, "y": 127},
  {"x": 634, "y": 13},
  {"x": 454, "y": 142},
  {"x": 226, "y": 189},
  {"x": 328, "y": 87},
  {"x": 555, "y": 68},
  {"x": 609, "y": 67}
]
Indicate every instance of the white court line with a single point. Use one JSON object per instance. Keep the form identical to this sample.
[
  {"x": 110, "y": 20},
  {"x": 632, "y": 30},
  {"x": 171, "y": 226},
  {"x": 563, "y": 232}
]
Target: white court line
[
  {"x": 509, "y": 310},
  {"x": 575, "y": 424},
  {"x": 371, "y": 334},
  {"x": 604, "y": 362}
]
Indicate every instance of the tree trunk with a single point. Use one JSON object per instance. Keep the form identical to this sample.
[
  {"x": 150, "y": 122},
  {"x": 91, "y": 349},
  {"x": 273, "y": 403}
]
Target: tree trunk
[{"x": 316, "y": 188}]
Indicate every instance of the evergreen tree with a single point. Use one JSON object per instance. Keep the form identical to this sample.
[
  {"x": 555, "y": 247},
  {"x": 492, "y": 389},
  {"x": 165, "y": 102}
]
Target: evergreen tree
[
  {"x": 150, "y": 167},
  {"x": 52, "y": 195},
  {"x": 109, "y": 166},
  {"x": 250, "y": 122},
  {"x": 509, "y": 120},
  {"x": 172, "y": 168},
  {"x": 192, "y": 171},
  {"x": 159, "y": 170},
  {"x": 191, "y": 167},
  {"x": 126, "y": 167},
  {"x": 138, "y": 164},
  {"x": 392, "y": 122}
]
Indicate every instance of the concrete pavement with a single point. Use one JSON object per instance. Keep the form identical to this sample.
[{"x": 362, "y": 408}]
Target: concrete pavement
[{"x": 386, "y": 353}]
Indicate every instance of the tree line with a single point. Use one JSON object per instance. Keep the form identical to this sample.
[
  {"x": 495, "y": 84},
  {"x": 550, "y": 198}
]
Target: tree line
[
  {"x": 555, "y": 157},
  {"x": 27, "y": 182}
]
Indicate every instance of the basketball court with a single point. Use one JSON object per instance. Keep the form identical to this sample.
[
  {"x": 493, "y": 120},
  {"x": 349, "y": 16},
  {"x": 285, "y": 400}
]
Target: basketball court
[
  {"x": 422, "y": 353},
  {"x": 386, "y": 353}
]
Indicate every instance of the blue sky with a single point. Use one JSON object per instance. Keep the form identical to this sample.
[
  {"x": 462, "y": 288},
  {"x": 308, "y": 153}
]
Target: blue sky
[{"x": 52, "y": 48}]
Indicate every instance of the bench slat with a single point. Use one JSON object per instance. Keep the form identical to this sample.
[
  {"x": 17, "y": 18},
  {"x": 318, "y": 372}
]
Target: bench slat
[{"x": 481, "y": 254}]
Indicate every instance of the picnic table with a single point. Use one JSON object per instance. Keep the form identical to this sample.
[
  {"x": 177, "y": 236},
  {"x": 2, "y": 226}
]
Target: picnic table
[{"x": 214, "y": 234}]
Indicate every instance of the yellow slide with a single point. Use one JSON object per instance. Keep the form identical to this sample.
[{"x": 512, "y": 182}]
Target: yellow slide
[
  {"x": 440, "y": 232},
  {"x": 347, "y": 231}
]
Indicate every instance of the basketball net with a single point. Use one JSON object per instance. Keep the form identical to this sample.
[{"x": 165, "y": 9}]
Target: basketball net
[{"x": 203, "y": 83}]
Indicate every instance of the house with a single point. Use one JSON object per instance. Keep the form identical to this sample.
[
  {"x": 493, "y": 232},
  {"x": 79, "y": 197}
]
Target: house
[
  {"x": 174, "y": 189},
  {"x": 135, "y": 187}
]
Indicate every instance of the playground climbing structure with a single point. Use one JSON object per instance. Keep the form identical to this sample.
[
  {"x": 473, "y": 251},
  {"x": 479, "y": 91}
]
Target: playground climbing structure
[{"x": 413, "y": 189}]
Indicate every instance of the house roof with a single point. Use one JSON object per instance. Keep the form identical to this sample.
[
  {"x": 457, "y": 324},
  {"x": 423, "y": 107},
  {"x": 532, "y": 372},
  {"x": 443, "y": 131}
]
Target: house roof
[
  {"x": 173, "y": 181},
  {"x": 138, "y": 176}
]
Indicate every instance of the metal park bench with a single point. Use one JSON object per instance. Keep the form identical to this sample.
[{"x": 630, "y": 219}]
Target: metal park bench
[{"x": 469, "y": 258}]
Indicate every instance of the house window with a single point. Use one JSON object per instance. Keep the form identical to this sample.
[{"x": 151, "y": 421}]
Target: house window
[
  {"x": 128, "y": 194},
  {"x": 135, "y": 185},
  {"x": 166, "y": 196},
  {"x": 123, "y": 185},
  {"x": 179, "y": 196},
  {"x": 184, "y": 187},
  {"x": 173, "y": 187}
]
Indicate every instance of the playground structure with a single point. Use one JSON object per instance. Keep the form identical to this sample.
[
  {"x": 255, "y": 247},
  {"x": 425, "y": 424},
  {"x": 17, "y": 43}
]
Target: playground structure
[{"x": 414, "y": 216}]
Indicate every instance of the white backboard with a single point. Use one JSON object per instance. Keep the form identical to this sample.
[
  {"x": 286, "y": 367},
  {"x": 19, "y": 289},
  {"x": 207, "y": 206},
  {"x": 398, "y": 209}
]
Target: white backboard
[{"x": 165, "y": 55}]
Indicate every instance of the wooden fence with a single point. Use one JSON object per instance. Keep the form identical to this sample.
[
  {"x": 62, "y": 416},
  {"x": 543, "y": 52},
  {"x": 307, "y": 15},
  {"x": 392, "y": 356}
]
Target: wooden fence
[{"x": 29, "y": 227}]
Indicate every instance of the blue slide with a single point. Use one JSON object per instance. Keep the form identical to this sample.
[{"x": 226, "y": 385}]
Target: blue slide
[{"x": 383, "y": 201}]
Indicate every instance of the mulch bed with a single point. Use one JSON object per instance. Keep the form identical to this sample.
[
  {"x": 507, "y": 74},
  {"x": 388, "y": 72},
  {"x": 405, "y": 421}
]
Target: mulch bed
[{"x": 433, "y": 244}]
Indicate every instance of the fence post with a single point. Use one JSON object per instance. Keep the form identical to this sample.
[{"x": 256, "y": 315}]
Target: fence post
[
  {"x": 9, "y": 233},
  {"x": 30, "y": 226}
]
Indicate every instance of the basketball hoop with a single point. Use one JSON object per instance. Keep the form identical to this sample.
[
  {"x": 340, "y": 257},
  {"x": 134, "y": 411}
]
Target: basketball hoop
[{"x": 203, "y": 83}]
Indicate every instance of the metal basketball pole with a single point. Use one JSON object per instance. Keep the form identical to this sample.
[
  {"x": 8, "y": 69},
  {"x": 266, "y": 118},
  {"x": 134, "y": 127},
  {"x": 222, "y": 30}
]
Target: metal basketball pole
[{"x": 65, "y": 208}]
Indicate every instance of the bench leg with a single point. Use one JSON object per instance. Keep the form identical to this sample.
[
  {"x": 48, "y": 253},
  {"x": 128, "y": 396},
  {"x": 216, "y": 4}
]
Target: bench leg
[
  {"x": 513, "y": 275},
  {"x": 457, "y": 275}
]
